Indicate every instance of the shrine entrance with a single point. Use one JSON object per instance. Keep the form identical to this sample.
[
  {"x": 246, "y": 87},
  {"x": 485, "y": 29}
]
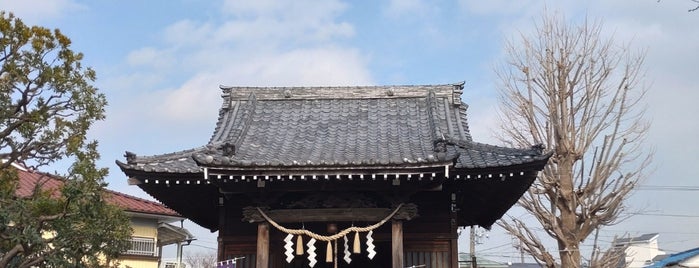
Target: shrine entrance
[{"x": 394, "y": 165}]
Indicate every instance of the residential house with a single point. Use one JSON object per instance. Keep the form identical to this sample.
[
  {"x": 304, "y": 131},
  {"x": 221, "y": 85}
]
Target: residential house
[
  {"x": 151, "y": 222},
  {"x": 688, "y": 259},
  {"x": 639, "y": 251}
]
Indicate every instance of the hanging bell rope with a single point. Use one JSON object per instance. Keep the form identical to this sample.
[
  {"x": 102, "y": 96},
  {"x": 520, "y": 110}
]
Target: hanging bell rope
[{"x": 330, "y": 237}]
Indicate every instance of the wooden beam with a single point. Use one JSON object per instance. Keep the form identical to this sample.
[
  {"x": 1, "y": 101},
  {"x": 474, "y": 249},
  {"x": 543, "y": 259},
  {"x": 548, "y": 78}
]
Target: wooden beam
[
  {"x": 262, "y": 245},
  {"x": 397, "y": 243},
  {"x": 380, "y": 185},
  {"x": 407, "y": 212}
]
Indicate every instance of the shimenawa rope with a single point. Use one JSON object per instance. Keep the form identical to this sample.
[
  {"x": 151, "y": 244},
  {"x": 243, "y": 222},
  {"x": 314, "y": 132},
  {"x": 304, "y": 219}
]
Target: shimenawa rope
[{"x": 331, "y": 237}]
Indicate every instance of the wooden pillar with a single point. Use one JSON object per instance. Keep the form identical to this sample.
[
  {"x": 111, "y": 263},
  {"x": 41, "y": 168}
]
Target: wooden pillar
[
  {"x": 454, "y": 250},
  {"x": 397, "y": 243},
  {"x": 262, "y": 245},
  {"x": 222, "y": 232}
]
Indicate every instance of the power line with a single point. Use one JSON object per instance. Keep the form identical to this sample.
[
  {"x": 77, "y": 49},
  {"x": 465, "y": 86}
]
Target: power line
[
  {"x": 203, "y": 246},
  {"x": 665, "y": 215},
  {"x": 667, "y": 188}
]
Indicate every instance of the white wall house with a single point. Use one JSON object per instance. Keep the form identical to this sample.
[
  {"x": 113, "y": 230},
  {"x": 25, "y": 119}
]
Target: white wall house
[{"x": 639, "y": 251}]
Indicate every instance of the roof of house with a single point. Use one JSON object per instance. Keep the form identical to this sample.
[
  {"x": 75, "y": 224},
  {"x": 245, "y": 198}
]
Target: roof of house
[
  {"x": 674, "y": 259},
  {"x": 340, "y": 128},
  {"x": 645, "y": 238},
  {"x": 29, "y": 180}
]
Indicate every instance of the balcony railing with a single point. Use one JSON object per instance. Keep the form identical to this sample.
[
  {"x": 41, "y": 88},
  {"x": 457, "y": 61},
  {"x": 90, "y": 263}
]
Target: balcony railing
[{"x": 143, "y": 246}]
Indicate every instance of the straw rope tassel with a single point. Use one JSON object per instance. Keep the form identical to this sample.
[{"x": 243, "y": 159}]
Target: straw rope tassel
[
  {"x": 299, "y": 246},
  {"x": 329, "y": 253},
  {"x": 356, "y": 249}
]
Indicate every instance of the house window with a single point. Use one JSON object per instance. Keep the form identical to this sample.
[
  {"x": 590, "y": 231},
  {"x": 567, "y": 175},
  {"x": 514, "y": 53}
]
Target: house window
[{"x": 142, "y": 246}]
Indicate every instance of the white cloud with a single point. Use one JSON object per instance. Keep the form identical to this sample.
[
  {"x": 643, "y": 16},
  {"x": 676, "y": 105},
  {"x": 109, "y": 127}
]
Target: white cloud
[
  {"x": 149, "y": 56},
  {"x": 199, "y": 97},
  {"x": 408, "y": 8},
  {"x": 256, "y": 44},
  {"x": 188, "y": 33},
  {"x": 297, "y": 21},
  {"x": 39, "y": 11},
  {"x": 497, "y": 7}
]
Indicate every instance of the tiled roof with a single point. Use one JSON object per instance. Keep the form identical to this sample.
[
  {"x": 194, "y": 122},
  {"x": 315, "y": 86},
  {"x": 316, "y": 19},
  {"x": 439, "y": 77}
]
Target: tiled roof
[
  {"x": 397, "y": 127},
  {"x": 135, "y": 204},
  {"x": 29, "y": 180}
]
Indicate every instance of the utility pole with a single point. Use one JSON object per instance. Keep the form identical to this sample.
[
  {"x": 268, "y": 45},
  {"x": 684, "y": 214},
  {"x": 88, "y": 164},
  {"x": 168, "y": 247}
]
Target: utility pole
[{"x": 473, "y": 247}]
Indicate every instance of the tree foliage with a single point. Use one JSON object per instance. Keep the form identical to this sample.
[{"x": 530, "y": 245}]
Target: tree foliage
[
  {"x": 47, "y": 104},
  {"x": 568, "y": 87},
  {"x": 46, "y": 97}
]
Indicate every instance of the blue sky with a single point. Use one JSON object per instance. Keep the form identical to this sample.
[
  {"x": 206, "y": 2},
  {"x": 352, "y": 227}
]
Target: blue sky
[{"x": 160, "y": 64}]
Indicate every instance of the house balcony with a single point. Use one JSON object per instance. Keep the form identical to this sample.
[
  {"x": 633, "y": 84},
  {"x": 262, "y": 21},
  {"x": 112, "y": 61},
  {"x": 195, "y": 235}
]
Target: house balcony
[{"x": 143, "y": 246}]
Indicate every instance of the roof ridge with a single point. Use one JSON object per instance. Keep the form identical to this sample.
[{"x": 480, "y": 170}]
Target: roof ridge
[
  {"x": 130, "y": 157},
  {"x": 224, "y": 87},
  {"x": 233, "y": 93}
]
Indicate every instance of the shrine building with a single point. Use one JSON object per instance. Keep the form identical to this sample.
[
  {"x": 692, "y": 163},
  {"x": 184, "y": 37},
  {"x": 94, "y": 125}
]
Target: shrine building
[{"x": 367, "y": 176}]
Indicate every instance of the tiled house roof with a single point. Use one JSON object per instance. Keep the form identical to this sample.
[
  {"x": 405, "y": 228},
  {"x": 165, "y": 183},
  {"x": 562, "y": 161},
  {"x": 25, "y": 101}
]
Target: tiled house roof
[
  {"x": 339, "y": 128},
  {"x": 135, "y": 204},
  {"x": 29, "y": 180}
]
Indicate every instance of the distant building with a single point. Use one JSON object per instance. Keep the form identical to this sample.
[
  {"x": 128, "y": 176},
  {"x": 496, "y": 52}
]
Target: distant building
[
  {"x": 465, "y": 262},
  {"x": 639, "y": 251},
  {"x": 150, "y": 221},
  {"x": 525, "y": 265}
]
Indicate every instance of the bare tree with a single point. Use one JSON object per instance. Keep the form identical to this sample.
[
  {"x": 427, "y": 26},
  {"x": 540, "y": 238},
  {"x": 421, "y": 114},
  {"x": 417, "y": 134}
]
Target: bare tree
[
  {"x": 201, "y": 260},
  {"x": 568, "y": 87},
  {"x": 615, "y": 256}
]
